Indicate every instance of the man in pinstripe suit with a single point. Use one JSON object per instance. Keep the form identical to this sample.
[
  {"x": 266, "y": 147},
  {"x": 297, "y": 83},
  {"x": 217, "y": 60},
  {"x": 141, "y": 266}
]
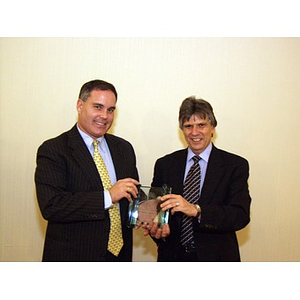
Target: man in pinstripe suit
[{"x": 70, "y": 193}]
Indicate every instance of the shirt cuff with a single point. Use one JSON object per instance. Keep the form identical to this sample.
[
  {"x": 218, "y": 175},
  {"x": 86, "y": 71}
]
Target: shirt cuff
[{"x": 107, "y": 200}]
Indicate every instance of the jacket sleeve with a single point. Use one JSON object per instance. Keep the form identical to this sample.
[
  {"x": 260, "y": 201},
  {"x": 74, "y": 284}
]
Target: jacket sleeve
[
  {"x": 63, "y": 192},
  {"x": 229, "y": 206}
]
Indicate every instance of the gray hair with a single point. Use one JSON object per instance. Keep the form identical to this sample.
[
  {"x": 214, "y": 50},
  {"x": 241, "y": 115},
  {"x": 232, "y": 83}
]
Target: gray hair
[{"x": 192, "y": 106}]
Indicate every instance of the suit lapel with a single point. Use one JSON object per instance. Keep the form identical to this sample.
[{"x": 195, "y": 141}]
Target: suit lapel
[
  {"x": 177, "y": 174},
  {"x": 119, "y": 162},
  {"x": 117, "y": 155},
  {"x": 84, "y": 159},
  {"x": 177, "y": 170},
  {"x": 215, "y": 170}
]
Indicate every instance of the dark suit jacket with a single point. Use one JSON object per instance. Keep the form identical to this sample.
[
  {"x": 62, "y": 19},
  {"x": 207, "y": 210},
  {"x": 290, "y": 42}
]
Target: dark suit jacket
[
  {"x": 225, "y": 204},
  {"x": 70, "y": 196}
]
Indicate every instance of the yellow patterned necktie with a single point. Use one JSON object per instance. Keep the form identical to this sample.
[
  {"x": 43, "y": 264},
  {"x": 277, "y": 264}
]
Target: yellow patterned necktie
[{"x": 115, "y": 240}]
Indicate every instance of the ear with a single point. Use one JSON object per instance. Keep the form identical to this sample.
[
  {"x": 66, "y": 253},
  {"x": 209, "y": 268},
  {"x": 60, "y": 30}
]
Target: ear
[
  {"x": 79, "y": 105},
  {"x": 213, "y": 131}
]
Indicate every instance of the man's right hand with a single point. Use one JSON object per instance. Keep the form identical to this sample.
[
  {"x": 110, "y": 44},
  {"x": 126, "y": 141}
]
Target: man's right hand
[{"x": 124, "y": 188}]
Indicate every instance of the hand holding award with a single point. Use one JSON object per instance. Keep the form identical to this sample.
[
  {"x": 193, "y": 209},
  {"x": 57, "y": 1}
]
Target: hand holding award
[{"x": 145, "y": 209}]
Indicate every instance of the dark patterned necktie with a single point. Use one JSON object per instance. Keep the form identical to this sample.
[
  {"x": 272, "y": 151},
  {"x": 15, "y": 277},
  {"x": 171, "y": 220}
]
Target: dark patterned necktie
[{"x": 191, "y": 194}]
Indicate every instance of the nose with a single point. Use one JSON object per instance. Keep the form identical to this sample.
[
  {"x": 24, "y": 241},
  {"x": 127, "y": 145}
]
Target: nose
[
  {"x": 195, "y": 130},
  {"x": 103, "y": 113}
]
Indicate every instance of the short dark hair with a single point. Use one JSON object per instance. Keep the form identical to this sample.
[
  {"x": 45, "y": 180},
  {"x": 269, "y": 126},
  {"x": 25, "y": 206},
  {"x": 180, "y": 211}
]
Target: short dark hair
[
  {"x": 96, "y": 84},
  {"x": 192, "y": 106}
]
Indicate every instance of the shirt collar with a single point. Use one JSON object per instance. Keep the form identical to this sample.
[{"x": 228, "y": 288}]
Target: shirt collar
[
  {"x": 204, "y": 155},
  {"x": 89, "y": 140}
]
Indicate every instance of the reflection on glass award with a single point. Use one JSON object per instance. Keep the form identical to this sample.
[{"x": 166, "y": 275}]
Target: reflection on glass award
[{"x": 145, "y": 209}]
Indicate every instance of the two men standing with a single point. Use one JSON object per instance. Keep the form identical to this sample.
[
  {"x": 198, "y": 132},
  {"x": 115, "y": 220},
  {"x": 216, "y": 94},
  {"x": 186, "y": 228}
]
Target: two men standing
[{"x": 78, "y": 205}]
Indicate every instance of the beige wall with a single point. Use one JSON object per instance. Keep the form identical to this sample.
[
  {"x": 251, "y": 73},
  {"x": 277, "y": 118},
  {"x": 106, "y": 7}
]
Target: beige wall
[{"x": 252, "y": 83}]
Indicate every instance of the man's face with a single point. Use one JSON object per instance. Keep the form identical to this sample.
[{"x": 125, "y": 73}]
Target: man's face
[
  {"x": 198, "y": 133},
  {"x": 96, "y": 114}
]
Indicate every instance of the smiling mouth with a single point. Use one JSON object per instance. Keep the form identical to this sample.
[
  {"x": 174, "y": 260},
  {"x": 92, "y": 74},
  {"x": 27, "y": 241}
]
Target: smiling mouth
[
  {"x": 99, "y": 123},
  {"x": 196, "y": 140}
]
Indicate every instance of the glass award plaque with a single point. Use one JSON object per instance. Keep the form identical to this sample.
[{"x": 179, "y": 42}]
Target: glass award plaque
[{"x": 145, "y": 209}]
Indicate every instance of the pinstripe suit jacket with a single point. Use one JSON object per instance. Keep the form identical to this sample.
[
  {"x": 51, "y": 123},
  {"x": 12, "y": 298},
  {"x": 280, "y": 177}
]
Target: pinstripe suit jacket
[
  {"x": 225, "y": 203},
  {"x": 70, "y": 196}
]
